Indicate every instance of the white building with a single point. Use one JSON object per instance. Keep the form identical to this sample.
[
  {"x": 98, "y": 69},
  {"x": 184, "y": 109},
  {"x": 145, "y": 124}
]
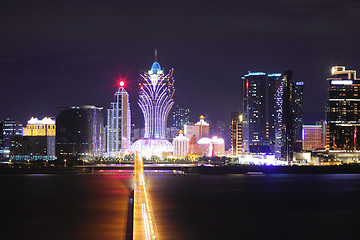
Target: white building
[
  {"x": 199, "y": 130},
  {"x": 181, "y": 145},
  {"x": 119, "y": 124},
  {"x": 210, "y": 147}
]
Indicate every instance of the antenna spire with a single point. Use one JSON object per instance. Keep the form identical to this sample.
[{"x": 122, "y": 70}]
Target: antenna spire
[{"x": 156, "y": 55}]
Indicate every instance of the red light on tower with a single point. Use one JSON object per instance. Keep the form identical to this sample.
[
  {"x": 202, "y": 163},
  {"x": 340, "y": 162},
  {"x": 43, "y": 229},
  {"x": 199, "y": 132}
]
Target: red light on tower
[{"x": 121, "y": 83}]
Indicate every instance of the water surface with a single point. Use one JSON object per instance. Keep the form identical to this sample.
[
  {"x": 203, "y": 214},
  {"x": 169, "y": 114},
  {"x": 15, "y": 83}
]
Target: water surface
[{"x": 274, "y": 206}]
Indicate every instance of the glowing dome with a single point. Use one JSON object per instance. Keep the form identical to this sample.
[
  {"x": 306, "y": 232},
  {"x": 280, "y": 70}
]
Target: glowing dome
[
  {"x": 155, "y": 68},
  {"x": 152, "y": 147}
]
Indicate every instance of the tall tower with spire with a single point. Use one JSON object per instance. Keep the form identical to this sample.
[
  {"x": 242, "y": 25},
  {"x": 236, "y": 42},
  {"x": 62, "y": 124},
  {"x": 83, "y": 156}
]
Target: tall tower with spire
[
  {"x": 119, "y": 123},
  {"x": 155, "y": 101}
]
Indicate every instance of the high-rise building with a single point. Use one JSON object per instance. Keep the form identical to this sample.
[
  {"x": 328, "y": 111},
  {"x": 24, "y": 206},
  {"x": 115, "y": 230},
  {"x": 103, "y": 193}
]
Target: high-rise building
[
  {"x": 236, "y": 133},
  {"x": 272, "y": 113},
  {"x": 36, "y": 127},
  {"x": 273, "y": 107},
  {"x": 312, "y": 137},
  {"x": 298, "y": 115},
  {"x": 286, "y": 122},
  {"x": 181, "y": 145},
  {"x": 119, "y": 124},
  {"x": 155, "y": 101},
  {"x": 80, "y": 133},
  {"x": 343, "y": 110},
  {"x": 254, "y": 109},
  {"x": 198, "y": 130},
  {"x": 261, "y": 111},
  {"x": 288, "y": 138},
  {"x": 9, "y": 127},
  {"x": 180, "y": 115}
]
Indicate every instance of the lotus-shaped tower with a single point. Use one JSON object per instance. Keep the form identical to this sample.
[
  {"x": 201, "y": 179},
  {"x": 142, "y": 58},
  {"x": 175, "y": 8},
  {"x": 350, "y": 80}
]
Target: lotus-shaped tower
[{"x": 155, "y": 101}]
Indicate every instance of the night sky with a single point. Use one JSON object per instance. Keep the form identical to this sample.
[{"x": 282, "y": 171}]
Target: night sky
[{"x": 63, "y": 53}]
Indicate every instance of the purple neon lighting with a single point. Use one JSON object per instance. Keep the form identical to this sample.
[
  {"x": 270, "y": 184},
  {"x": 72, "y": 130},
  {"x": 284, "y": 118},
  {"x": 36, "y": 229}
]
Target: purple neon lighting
[
  {"x": 152, "y": 147},
  {"x": 155, "y": 101}
]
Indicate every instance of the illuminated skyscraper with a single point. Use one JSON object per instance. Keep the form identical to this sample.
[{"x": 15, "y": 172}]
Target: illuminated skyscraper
[
  {"x": 285, "y": 130},
  {"x": 180, "y": 116},
  {"x": 298, "y": 115},
  {"x": 155, "y": 101},
  {"x": 254, "y": 108},
  {"x": 273, "y": 107},
  {"x": 272, "y": 114},
  {"x": 119, "y": 123},
  {"x": 260, "y": 111},
  {"x": 288, "y": 137},
  {"x": 343, "y": 110},
  {"x": 236, "y": 133}
]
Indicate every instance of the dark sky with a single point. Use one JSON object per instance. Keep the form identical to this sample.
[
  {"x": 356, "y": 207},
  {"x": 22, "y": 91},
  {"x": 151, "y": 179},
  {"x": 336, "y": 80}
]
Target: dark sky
[{"x": 63, "y": 53}]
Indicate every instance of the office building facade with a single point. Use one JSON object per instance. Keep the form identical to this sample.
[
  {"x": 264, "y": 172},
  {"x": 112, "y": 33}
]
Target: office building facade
[
  {"x": 80, "y": 133},
  {"x": 254, "y": 109},
  {"x": 272, "y": 114},
  {"x": 313, "y": 137},
  {"x": 298, "y": 114},
  {"x": 288, "y": 118}
]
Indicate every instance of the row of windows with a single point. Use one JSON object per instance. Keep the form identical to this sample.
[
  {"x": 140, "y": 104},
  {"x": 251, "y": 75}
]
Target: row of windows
[{"x": 40, "y": 126}]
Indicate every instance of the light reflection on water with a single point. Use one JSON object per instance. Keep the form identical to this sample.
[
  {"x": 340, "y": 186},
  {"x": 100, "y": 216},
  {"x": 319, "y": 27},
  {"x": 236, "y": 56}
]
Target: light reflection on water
[
  {"x": 64, "y": 206},
  {"x": 271, "y": 206}
]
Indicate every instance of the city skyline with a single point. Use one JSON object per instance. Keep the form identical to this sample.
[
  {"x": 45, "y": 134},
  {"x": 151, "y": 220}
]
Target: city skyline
[
  {"x": 180, "y": 119},
  {"x": 69, "y": 58}
]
